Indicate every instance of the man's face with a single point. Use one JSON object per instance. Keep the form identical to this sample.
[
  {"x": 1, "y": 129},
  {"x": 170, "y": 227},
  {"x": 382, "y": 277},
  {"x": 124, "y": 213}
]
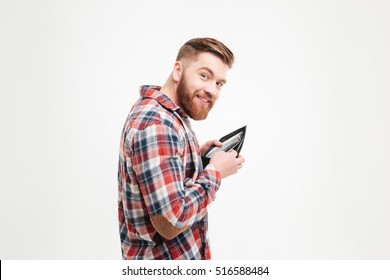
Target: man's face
[{"x": 200, "y": 84}]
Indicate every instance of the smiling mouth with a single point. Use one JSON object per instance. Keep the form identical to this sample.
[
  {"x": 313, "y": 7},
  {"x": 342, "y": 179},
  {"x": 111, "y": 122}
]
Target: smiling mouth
[{"x": 203, "y": 100}]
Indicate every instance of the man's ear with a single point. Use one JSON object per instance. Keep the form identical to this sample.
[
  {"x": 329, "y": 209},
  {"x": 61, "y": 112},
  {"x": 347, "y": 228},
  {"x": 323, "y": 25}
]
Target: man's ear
[{"x": 177, "y": 71}]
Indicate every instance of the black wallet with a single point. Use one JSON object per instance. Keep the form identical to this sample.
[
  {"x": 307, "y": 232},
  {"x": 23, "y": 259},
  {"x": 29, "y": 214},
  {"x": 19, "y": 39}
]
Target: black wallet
[{"x": 231, "y": 141}]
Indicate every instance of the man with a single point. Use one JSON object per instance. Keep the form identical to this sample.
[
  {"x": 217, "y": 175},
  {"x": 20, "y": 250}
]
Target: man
[{"x": 164, "y": 191}]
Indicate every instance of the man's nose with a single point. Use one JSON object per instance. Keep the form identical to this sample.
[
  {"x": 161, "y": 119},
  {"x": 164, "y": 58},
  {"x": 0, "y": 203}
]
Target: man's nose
[{"x": 211, "y": 89}]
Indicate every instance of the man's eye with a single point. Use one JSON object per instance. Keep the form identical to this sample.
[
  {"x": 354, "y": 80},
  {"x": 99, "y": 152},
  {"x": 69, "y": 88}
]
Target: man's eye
[
  {"x": 204, "y": 76},
  {"x": 219, "y": 84}
]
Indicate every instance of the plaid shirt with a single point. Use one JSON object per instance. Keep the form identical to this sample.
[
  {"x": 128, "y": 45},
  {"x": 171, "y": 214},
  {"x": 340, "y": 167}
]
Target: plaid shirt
[{"x": 161, "y": 173}]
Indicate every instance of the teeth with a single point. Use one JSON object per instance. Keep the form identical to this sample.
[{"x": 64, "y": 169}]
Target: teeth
[{"x": 204, "y": 100}]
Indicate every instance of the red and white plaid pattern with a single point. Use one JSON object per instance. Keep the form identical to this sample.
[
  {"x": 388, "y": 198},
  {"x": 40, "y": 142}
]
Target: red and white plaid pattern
[{"x": 160, "y": 173}]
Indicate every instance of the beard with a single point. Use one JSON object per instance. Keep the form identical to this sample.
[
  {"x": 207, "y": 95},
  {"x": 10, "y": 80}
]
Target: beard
[{"x": 189, "y": 104}]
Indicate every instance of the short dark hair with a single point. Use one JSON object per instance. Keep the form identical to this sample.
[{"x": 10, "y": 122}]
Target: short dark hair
[{"x": 196, "y": 46}]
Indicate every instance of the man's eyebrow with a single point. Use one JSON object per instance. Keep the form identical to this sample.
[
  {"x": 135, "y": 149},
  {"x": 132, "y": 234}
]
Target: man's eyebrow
[{"x": 212, "y": 73}]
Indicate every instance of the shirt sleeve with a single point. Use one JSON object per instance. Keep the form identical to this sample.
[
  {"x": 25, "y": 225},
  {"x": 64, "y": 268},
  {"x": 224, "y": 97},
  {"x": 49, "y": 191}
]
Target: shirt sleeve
[{"x": 157, "y": 163}]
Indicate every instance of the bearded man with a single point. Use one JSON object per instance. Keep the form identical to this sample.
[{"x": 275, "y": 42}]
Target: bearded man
[{"x": 163, "y": 189}]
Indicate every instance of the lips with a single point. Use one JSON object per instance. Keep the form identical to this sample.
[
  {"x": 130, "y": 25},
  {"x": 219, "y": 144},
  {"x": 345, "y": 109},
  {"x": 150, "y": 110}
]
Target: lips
[{"x": 203, "y": 100}]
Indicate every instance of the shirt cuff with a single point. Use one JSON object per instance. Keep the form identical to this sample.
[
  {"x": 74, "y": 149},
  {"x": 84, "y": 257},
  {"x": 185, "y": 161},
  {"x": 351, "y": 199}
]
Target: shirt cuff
[{"x": 213, "y": 174}]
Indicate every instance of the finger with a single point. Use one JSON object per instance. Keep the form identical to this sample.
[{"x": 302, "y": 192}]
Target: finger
[
  {"x": 241, "y": 159},
  {"x": 216, "y": 143},
  {"x": 233, "y": 152}
]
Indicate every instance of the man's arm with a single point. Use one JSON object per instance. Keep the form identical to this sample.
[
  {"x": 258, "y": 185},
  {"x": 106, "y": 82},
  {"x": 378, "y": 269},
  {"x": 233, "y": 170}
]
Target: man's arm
[{"x": 157, "y": 162}]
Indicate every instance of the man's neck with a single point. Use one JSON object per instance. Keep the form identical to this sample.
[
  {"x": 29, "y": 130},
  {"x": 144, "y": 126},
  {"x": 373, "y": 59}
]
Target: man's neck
[{"x": 169, "y": 89}]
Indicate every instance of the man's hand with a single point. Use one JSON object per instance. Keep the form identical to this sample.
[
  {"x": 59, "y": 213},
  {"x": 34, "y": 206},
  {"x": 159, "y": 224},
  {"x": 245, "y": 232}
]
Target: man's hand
[
  {"x": 206, "y": 146},
  {"x": 227, "y": 163}
]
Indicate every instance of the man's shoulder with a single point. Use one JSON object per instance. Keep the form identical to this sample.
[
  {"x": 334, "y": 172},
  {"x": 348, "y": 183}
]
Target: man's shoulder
[{"x": 148, "y": 111}]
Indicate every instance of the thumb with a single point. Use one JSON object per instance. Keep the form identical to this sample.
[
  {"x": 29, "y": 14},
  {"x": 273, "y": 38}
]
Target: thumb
[{"x": 217, "y": 143}]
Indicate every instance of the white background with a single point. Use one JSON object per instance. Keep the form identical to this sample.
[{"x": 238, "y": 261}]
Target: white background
[{"x": 311, "y": 81}]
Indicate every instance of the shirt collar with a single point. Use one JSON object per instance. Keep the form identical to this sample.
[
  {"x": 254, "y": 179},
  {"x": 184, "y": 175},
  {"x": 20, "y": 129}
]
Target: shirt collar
[{"x": 152, "y": 91}]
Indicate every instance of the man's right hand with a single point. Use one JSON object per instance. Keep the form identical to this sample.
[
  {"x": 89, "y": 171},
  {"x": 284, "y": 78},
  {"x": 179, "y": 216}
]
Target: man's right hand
[{"x": 227, "y": 163}]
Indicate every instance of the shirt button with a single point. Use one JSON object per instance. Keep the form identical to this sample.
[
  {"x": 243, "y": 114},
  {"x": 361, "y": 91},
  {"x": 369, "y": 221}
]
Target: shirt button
[{"x": 203, "y": 228}]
